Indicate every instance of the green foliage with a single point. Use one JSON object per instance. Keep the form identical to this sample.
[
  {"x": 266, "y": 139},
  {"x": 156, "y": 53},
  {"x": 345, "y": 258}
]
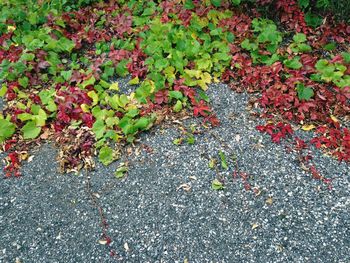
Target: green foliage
[
  {"x": 266, "y": 38},
  {"x": 217, "y": 185},
  {"x": 304, "y": 93},
  {"x": 316, "y": 9},
  {"x": 106, "y": 155},
  {"x": 170, "y": 47},
  {"x": 331, "y": 72},
  {"x": 293, "y": 63},
  {"x": 121, "y": 170},
  {"x": 224, "y": 164},
  {"x": 299, "y": 44},
  {"x": 30, "y": 14},
  {"x": 7, "y": 129},
  {"x": 30, "y": 130}
]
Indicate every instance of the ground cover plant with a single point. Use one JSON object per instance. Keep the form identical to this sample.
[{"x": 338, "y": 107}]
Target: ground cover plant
[{"x": 60, "y": 63}]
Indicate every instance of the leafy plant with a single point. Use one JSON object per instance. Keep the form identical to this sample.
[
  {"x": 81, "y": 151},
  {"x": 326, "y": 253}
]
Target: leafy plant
[
  {"x": 332, "y": 72},
  {"x": 266, "y": 38},
  {"x": 217, "y": 185},
  {"x": 299, "y": 44}
]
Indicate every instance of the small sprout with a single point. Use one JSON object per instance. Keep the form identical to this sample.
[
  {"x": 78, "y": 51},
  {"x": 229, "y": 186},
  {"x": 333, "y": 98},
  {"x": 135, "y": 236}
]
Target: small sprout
[
  {"x": 217, "y": 185},
  {"x": 223, "y": 160},
  {"x": 178, "y": 141},
  {"x": 212, "y": 163},
  {"x": 193, "y": 128},
  {"x": 121, "y": 170},
  {"x": 190, "y": 139}
]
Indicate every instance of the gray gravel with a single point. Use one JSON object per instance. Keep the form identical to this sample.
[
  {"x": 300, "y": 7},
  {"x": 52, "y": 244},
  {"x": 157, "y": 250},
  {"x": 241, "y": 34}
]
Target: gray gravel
[{"x": 48, "y": 217}]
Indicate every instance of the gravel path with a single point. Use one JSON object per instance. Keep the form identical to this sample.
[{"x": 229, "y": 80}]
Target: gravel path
[{"x": 166, "y": 211}]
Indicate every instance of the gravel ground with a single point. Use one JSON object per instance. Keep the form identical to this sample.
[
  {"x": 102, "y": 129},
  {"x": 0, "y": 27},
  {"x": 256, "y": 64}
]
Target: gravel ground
[{"x": 166, "y": 211}]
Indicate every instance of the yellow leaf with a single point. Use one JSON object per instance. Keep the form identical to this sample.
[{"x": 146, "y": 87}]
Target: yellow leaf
[
  {"x": 269, "y": 201},
  {"x": 254, "y": 226},
  {"x": 114, "y": 86},
  {"x": 307, "y": 127},
  {"x": 193, "y": 73},
  {"x": 11, "y": 28},
  {"x": 93, "y": 95},
  {"x": 334, "y": 118},
  {"x": 85, "y": 107},
  {"x": 134, "y": 81},
  {"x": 205, "y": 79}
]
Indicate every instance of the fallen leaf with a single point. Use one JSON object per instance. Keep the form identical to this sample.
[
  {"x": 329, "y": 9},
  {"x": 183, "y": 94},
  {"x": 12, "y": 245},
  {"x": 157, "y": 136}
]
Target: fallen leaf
[
  {"x": 254, "y": 226},
  {"x": 269, "y": 201},
  {"x": 238, "y": 137},
  {"x": 96, "y": 195},
  {"x": 186, "y": 187},
  {"x": 126, "y": 247},
  {"x": 308, "y": 127},
  {"x": 334, "y": 118},
  {"x": 103, "y": 241}
]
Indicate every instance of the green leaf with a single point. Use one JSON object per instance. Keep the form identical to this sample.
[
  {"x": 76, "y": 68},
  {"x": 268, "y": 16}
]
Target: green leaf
[
  {"x": 178, "y": 106},
  {"x": 177, "y": 141},
  {"x": 161, "y": 64},
  {"x": 65, "y": 44},
  {"x": 313, "y": 20},
  {"x": 27, "y": 57},
  {"x": 88, "y": 82},
  {"x": 190, "y": 139},
  {"x": 106, "y": 155},
  {"x": 114, "y": 86},
  {"x": 304, "y": 3},
  {"x": 175, "y": 94},
  {"x": 121, "y": 170},
  {"x": 236, "y": 2},
  {"x": 216, "y": 3},
  {"x": 304, "y": 93},
  {"x": 189, "y": 4},
  {"x": 223, "y": 160},
  {"x": 299, "y": 38},
  {"x": 121, "y": 68},
  {"x": 148, "y": 12},
  {"x": 93, "y": 95},
  {"x": 217, "y": 185},
  {"x": 99, "y": 128},
  {"x": 111, "y": 121},
  {"x": 330, "y": 46},
  {"x": 126, "y": 124},
  {"x": 303, "y": 48},
  {"x": 3, "y": 90},
  {"x": 293, "y": 63},
  {"x": 25, "y": 116},
  {"x": 23, "y": 82},
  {"x": 30, "y": 130},
  {"x": 40, "y": 118},
  {"x": 345, "y": 55},
  {"x": 134, "y": 81},
  {"x": 7, "y": 129},
  {"x": 212, "y": 163},
  {"x": 132, "y": 113},
  {"x": 230, "y": 37},
  {"x": 66, "y": 74},
  {"x": 142, "y": 123}
]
